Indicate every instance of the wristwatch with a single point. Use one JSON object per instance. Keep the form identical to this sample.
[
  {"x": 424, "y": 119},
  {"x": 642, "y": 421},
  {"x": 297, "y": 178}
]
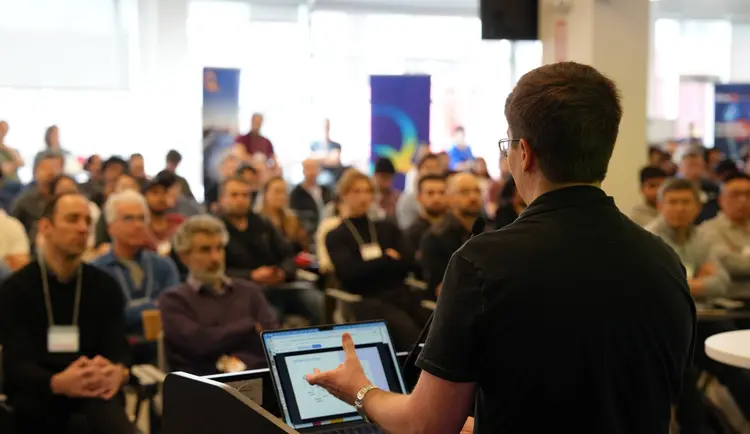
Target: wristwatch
[{"x": 359, "y": 401}]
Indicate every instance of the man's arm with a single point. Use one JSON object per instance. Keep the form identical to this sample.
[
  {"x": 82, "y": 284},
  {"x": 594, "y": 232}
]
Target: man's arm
[
  {"x": 262, "y": 311},
  {"x": 112, "y": 339},
  {"x": 712, "y": 281},
  {"x": 185, "y": 332}
]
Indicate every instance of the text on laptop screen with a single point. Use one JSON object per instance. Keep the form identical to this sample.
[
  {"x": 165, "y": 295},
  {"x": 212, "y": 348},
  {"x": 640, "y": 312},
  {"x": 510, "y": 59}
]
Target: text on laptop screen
[{"x": 293, "y": 354}]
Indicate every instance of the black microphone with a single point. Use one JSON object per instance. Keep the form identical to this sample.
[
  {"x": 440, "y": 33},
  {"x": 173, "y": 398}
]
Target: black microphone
[{"x": 409, "y": 368}]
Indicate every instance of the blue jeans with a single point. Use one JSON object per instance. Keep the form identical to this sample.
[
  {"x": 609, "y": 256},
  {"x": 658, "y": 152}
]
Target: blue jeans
[{"x": 297, "y": 298}]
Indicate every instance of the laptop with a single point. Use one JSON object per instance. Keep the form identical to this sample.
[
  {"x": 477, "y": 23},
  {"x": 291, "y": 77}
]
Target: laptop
[{"x": 292, "y": 354}]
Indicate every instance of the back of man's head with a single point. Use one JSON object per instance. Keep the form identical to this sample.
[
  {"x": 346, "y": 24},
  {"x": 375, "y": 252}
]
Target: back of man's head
[{"x": 569, "y": 114}]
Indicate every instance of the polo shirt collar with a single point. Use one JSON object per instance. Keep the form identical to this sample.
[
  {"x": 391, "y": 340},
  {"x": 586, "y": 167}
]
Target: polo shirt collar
[
  {"x": 573, "y": 196},
  {"x": 198, "y": 286},
  {"x": 109, "y": 258}
]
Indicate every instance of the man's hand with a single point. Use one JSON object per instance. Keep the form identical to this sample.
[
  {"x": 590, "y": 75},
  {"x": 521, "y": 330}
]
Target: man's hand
[
  {"x": 82, "y": 379},
  {"x": 112, "y": 377},
  {"x": 345, "y": 381},
  {"x": 468, "y": 426},
  {"x": 278, "y": 277},
  {"x": 393, "y": 254},
  {"x": 708, "y": 269},
  {"x": 262, "y": 274}
]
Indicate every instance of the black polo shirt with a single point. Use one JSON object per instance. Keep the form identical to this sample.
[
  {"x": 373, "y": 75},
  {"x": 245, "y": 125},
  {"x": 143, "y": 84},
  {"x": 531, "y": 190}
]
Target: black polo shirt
[{"x": 573, "y": 318}]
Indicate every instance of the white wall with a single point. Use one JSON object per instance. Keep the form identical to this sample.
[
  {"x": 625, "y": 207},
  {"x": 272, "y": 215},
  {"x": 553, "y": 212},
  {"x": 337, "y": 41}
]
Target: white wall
[{"x": 740, "y": 72}]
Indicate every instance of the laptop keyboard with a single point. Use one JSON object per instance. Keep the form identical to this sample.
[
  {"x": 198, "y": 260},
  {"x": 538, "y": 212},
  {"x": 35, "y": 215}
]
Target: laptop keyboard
[{"x": 364, "y": 429}]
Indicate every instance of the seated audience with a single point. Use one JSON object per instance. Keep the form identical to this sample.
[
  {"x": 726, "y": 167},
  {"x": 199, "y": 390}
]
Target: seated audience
[
  {"x": 250, "y": 175},
  {"x": 369, "y": 258},
  {"x": 725, "y": 168},
  {"x": 510, "y": 205},
  {"x": 66, "y": 184},
  {"x": 142, "y": 274},
  {"x": 713, "y": 156},
  {"x": 386, "y": 196},
  {"x": 227, "y": 169},
  {"x": 101, "y": 236},
  {"x": 112, "y": 169},
  {"x": 432, "y": 205},
  {"x": 692, "y": 167},
  {"x": 679, "y": 205},
  {"x": 174, "y": 159},
  {"x": 14, "y": 243},
  {"x": 178, "y": 202},
  {"x": 651, "y": 180},
  {"x": 161, "y": 224},
  {"x": 444, "y": 161},
  {"x": 275, "y": 208},
  {"x": 62, "y": 330},
  {"x": 729, "y": 232},
  {"x": 308, "y": 198},
  {"x": 137, "y": 169},
  {"x": 453, "y": 230},
  {"x": 256, "y": 251},
  {"x": 29, "y": 206},
  {"x": 211, "y": 315},
  {"x": 95, "y": 184},
  {"x": 408, "y": 207}
]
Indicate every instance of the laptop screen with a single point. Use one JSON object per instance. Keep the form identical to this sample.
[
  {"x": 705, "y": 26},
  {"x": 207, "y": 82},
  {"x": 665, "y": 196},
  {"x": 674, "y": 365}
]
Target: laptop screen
[{"x": 292, "y": 354}]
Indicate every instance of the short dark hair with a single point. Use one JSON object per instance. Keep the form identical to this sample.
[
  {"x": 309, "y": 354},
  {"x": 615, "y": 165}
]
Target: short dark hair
[
  {"x": 53, "y": 184},
  {"x": 428, "y": 178},
  {"x": 244, "y": 168},
  {"x": 678, "y": 184},
  {"x": 44, "y": 156},
  {"x": 425, "y": 158},
  {"x": 734, "y": 176},
  {"x": 226, "y": 181},
  {"x": 570, "y": 115},
  {"x": 90, "y": 161},
  {"x": 726, "y": 167},
  {"x": 385, "y": 165},
  {"x": 459, "y": 129},
  {"x": 174, "y": 157},
  {"x": 51, "y": 207},
  {"x": 648, "y": 173}
]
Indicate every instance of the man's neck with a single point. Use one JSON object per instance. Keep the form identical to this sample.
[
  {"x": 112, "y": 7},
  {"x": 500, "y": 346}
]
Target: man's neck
[
  {"x": 62, "y": 266},
  {"x": 123, "y": 252},
  {"x": 543, "y": 187},
  {"x": 466, "y": 221}
]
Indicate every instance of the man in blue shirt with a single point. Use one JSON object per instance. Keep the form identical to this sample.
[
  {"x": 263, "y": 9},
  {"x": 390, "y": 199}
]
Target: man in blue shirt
[
  {"x": 142, "y": 274},
  {"x": 461, "y": 158}
]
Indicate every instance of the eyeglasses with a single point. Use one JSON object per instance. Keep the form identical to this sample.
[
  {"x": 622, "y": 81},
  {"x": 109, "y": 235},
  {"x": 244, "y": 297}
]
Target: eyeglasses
[{"x": 505, "y": 145}]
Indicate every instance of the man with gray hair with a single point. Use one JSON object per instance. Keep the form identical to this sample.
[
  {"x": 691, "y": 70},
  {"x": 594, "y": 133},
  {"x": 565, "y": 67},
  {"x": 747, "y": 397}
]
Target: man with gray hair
[
  {"x": 211, "y": 322},
  {"x": 143, "y": 274}
]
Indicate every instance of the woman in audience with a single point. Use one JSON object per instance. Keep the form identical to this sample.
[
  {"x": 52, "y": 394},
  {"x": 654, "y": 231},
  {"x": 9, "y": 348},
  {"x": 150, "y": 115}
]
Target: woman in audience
[
  {"x": 275, "y": 207},
  {"x": 327, "y": 225},
  {"x": 370, "y": 260}
]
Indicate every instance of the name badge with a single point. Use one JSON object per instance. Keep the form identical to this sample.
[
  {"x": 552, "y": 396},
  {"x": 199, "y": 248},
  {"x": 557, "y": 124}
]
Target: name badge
[
  {"x": 370, "y": 252},
  {"x": 689, "y": 271},
  {"x": 63, "y": 339}
]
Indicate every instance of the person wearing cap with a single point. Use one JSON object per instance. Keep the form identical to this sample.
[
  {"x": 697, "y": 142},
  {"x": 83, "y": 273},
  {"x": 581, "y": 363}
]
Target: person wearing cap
[
  {"x": 162, "y": 224},
  {"x": 652, "y": 177},
  {"x": 142, "y": 274},
  {"x": 386, "y": 195}
]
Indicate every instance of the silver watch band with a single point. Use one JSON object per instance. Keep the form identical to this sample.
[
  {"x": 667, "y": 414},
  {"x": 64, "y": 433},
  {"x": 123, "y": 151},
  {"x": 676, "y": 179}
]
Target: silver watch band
[{"x": 359, "y": 401}]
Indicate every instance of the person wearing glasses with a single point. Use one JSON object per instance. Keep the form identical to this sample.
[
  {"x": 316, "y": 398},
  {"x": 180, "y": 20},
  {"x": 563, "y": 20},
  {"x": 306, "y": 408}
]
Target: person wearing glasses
[{"x": 573, "y": 307}]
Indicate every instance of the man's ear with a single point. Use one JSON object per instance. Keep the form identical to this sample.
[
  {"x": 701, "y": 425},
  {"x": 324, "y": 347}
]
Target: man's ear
[{"x": 527, "y": 155}]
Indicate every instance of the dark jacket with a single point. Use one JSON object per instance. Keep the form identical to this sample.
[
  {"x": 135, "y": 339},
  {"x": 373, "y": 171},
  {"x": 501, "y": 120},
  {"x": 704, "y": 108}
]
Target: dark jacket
[
  {"x": 438, "y": 245},
  {"x": 308, "y": 211},
  {"x": 258, "y": 245}
]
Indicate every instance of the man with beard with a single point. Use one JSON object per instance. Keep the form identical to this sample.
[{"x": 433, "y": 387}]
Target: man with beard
[
  {"x": 162, "y": 224},
  {"x": 453, "y": 230},
  {"x": 62, "y": 329},
  {"x": 432, "y": 205},
  {"x": 212, "y": 317}
]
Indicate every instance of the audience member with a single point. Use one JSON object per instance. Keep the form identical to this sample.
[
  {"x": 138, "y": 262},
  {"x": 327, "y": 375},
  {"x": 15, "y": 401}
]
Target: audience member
[
  {"x": 52, "y": 146},
  {"x": 679, "y": 205},
  {"x": 10, "y": 159},
  {"x": 412, "y": 176},
  {"x": 161, "y": 224},
  {"x": 256, "y": 251},
  {"x": 95, "y": 184},
  {"x": 386, "y": 196},
  {"x": 713, "y": 156},
  {"x": 692, "y": 167},
  {"x": 453, "y": 230},
  {"x": 174, "y": 158},
  {"x": 228, "y": 168},
  {"x": 308, "y": 198},
  {"x": 255, "y": 143},
  {"x": 178, "y": 202},
  {"x": 327, "y": 153},
  {"x": 327, "y": 225},
  {"x": 14, "y": 244},
  {"x": 101, "y": 237},
  {"x": 112, "y": 169},
  {"x": 142, "y": 274},
  {"x": 137, "y": 169},
  {"x": 8, "y": 193},
  {"x": 444, "y": 160},
  {"x": 250, "y": 175},
  {"x": 510, "y": 205},
  {"x": 275, "y": 208},
  {"x": 729, "y": 232},
  {"x": 369, "y": 258},
  {"x": 725, "y": 168},
  {"x": 211, "y": 315},
  {"x": 407, "y": 207},
  {"x": 461, "y": 157},
  {"x": 61, "y": 325},
  {"x": 65, "y": 184},
  {"x": 432, "y": 206},
  {"x": 656, "y": 156},
  {"x": 29, "y": 206},
  {"x": 652, "y": 177}
]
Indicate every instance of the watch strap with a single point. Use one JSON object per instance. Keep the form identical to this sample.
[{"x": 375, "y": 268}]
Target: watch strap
[{"x": 359, "y": 401}]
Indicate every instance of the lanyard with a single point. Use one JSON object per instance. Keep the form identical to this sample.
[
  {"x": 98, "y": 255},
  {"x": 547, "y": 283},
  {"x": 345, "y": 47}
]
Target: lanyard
[
  {"x": 148, "y": 272},
  {"x": 48, "y": 300},
  {"x": 358, "y": 237}
]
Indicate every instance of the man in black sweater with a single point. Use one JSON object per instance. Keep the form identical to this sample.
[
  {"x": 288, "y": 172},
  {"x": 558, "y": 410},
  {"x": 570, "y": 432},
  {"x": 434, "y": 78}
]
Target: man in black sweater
[
  {"x": 432, "y": 205},
  {"x": 369, "y": 258},
  {"x": 62, "y": 328}
]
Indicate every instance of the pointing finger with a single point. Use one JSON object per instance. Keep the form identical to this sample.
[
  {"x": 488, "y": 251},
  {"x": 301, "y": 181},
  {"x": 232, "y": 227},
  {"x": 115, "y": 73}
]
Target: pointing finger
[{"x": 348, "y": 343}]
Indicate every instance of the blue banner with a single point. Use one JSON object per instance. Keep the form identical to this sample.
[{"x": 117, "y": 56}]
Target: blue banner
[
  {"x": 221, "y": 107},
  {"x": 400, "y": 119},
  {"x": 732, "y": 113}
]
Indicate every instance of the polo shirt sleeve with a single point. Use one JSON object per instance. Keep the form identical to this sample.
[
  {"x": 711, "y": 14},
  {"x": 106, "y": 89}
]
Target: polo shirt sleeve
[{"x": 452, "y": 351}]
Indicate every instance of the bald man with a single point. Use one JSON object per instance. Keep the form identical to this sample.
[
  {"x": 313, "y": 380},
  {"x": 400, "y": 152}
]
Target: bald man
[
  {"x": 453, "y": 230},
  {"x": 308, "y": 198}
]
